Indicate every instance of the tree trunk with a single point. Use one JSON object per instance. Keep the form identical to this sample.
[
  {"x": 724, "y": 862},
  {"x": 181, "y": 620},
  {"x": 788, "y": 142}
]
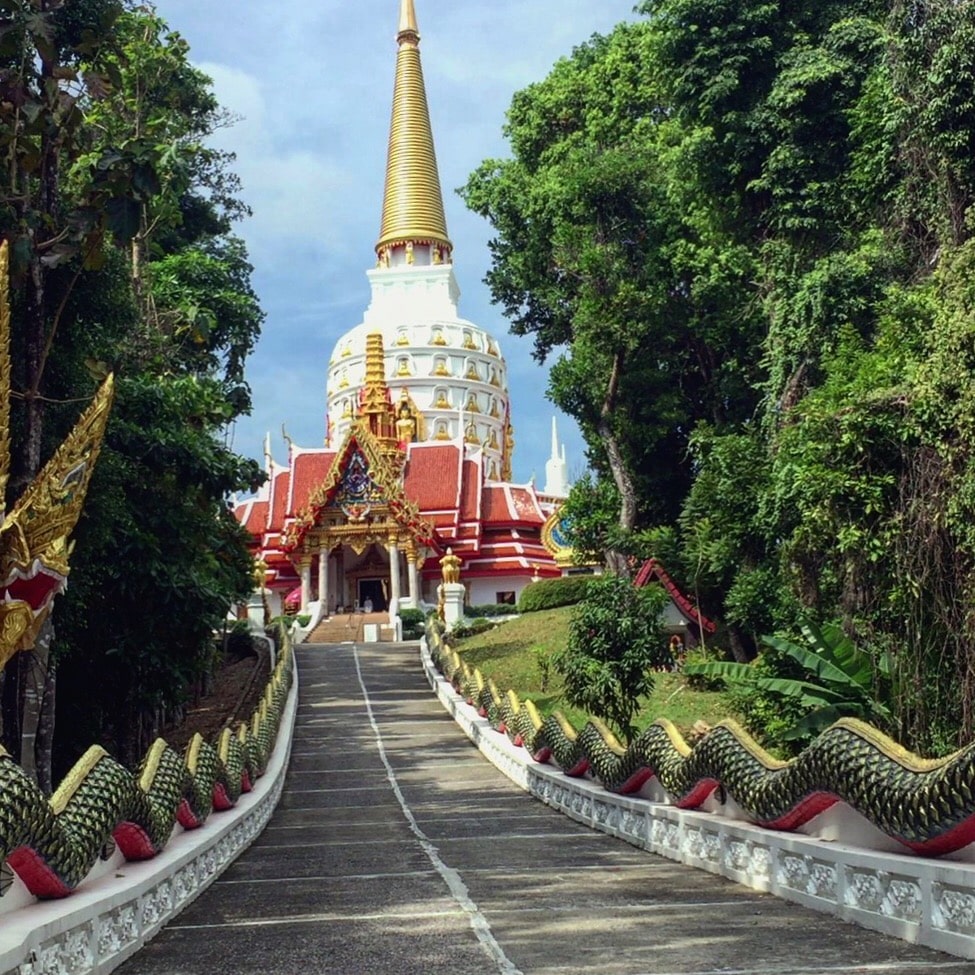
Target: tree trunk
[
  {"x": 44, "y": 742},
  {"x": 739, "y": 649},
  {"x": 616, "y": 560},
  {"x": 23, "y": 696}
]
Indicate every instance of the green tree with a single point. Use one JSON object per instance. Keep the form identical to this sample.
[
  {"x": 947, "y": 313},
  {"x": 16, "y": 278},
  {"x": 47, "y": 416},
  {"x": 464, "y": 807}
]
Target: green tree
[
  {"x": 44, "y": 45},
  {"x": 615, "y": 641},
  {"x": 121, "y": 219},
  {"x": 605, "y": 258},
  {"x": 175, "y": 315}
]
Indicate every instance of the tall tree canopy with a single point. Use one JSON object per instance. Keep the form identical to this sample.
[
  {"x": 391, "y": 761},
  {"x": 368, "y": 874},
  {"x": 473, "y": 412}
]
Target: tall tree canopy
[
  {"x": 743, "y": 231},
  {"x": 121, "y": 219},
  {"x": 612, "y": 265}
]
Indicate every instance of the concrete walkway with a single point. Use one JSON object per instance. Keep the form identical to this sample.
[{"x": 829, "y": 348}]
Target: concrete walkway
[{"x": 397, "y": 850}]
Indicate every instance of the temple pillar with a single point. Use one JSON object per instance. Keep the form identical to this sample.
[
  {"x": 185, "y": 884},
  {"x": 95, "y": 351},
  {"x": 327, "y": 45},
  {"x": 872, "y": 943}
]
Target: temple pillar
[
  {"x": 305, "y": 565},
  {"x": 394, "y": 579},
  {"x": 413, "y": 579},
  {"x": 323, "y": 581}
]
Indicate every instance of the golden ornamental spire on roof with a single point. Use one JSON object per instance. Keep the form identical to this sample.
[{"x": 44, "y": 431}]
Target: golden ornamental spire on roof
[
  {"x": 413, "y": 213},
  {"x": 375, "y": 406}
]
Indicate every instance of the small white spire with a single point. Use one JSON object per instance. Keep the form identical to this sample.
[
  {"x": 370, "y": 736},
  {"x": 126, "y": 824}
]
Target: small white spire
[{"x": 556, "y": 468}]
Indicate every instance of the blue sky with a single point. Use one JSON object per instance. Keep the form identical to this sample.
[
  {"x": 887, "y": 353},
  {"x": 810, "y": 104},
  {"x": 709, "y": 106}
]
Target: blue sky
[{"x": 312, "y": 85}]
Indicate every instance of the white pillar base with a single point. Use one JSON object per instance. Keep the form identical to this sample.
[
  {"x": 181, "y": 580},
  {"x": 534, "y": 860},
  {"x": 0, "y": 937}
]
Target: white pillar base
[{"x": 453, "y": 603}]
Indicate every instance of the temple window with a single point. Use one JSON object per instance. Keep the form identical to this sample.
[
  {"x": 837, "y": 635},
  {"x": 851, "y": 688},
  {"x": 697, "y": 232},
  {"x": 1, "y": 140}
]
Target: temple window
[
  {"x": 440, "y": 366},
  {"x": 469, "y": 340},
  {"x": 440, "y": 400}
]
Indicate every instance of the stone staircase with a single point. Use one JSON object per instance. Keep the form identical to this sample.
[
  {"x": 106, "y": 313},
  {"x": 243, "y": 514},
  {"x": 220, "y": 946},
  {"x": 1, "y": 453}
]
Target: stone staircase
[{"x": 348, "y": 628}]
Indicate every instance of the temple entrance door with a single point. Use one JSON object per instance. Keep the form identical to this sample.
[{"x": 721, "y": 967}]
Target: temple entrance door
[{"x": 373, "y": 590}]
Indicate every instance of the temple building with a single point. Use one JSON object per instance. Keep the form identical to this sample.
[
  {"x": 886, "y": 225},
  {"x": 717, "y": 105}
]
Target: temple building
[{"x": 417, "y": 456}]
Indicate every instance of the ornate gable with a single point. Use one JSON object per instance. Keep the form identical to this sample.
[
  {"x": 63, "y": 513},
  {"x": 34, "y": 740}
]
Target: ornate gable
[{"x": 361, "y": 500}]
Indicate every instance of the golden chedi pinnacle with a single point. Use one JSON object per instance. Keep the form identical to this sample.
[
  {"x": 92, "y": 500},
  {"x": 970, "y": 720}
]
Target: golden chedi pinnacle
[{"x": 413, "y": 212}]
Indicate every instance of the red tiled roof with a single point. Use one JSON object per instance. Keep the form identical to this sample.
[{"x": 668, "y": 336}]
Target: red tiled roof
[
  {"x": 470, "y": 498},
  {"x": 509, "y": 504},
  {"x": 495, "y": 505},
  {"x": 280, "y": 488},
  {"x": 309, "y": 470},
  {"x": 432, "y": 472},
  {"x": 254, "y": 517},
  {"x": 525, "y": 505}
]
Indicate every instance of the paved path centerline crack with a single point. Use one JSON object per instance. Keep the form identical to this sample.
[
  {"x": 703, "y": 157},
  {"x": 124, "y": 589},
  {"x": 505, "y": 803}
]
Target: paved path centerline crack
[{"x": 455, "y": 884}]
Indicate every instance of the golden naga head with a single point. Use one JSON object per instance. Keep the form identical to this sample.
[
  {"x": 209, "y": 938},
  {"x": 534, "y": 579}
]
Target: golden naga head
[{"x": 35, "y": 535}]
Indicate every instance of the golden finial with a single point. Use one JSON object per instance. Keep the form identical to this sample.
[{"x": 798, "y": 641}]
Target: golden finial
[
  {"x": 375, "y": 362},
  {"x": 413, "y": 211},
  {"x": 407, "y": 20}
]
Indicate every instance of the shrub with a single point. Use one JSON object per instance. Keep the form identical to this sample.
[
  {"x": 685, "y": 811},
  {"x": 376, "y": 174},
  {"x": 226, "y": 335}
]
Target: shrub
[
  {"x": 615, "y": 639},
  {"x": 552, "y": 593},
  {"x": 239, "y": 641},
  {"x": 493, "y": 609},
  {"x": 694, "y": 679},
  {"x": 413, "y": 623},
  {"x": 467, "y": 628},
  {"x": 813, "y": 683}
]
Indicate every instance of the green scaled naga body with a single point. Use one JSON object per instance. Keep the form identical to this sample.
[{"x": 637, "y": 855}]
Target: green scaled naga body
[
  {"x": 53, "y": 844},
  {"x": 927, "y": 805}
]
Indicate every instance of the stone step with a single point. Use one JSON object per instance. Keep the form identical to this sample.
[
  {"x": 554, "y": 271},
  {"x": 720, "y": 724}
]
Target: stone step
[{"x": 346, "y": 627}]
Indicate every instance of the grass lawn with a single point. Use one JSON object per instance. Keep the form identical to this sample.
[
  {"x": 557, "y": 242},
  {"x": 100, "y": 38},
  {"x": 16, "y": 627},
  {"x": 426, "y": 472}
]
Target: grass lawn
[{"x": 513, "y": 654}]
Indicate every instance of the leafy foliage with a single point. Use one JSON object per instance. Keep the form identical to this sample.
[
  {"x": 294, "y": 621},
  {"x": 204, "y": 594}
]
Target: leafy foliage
[
  {"x": 124, "y": 259},
  {"x": 837, "y": 680},
  {"x": 413, "y": 623},
  {"x": 615, "y": 639},
  {"x": 552, "y": 593},
  {"x": 744, "y": 234}
]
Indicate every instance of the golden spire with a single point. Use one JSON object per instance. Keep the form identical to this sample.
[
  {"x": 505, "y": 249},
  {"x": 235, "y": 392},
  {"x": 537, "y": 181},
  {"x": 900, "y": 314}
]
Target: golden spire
[
  {"x": 413, "y": 212},
  {"x": 375, "y": 406}
]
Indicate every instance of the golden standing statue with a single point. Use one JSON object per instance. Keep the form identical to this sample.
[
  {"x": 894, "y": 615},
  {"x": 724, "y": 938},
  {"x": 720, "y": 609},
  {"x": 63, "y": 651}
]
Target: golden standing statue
[{"x": 450, "y": 567}]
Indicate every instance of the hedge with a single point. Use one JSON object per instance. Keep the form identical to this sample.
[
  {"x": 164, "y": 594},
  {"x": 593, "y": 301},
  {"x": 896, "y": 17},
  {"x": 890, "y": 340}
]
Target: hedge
[
  {"x": 491, "y": 609},
  {"x": 551, "y": 593}
]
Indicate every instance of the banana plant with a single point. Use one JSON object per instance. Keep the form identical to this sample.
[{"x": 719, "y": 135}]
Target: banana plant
[{"x": 840, "y": 680}]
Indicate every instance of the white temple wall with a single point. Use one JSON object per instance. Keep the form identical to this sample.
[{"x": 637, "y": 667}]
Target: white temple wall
[{"x": 484, "y": 591}]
